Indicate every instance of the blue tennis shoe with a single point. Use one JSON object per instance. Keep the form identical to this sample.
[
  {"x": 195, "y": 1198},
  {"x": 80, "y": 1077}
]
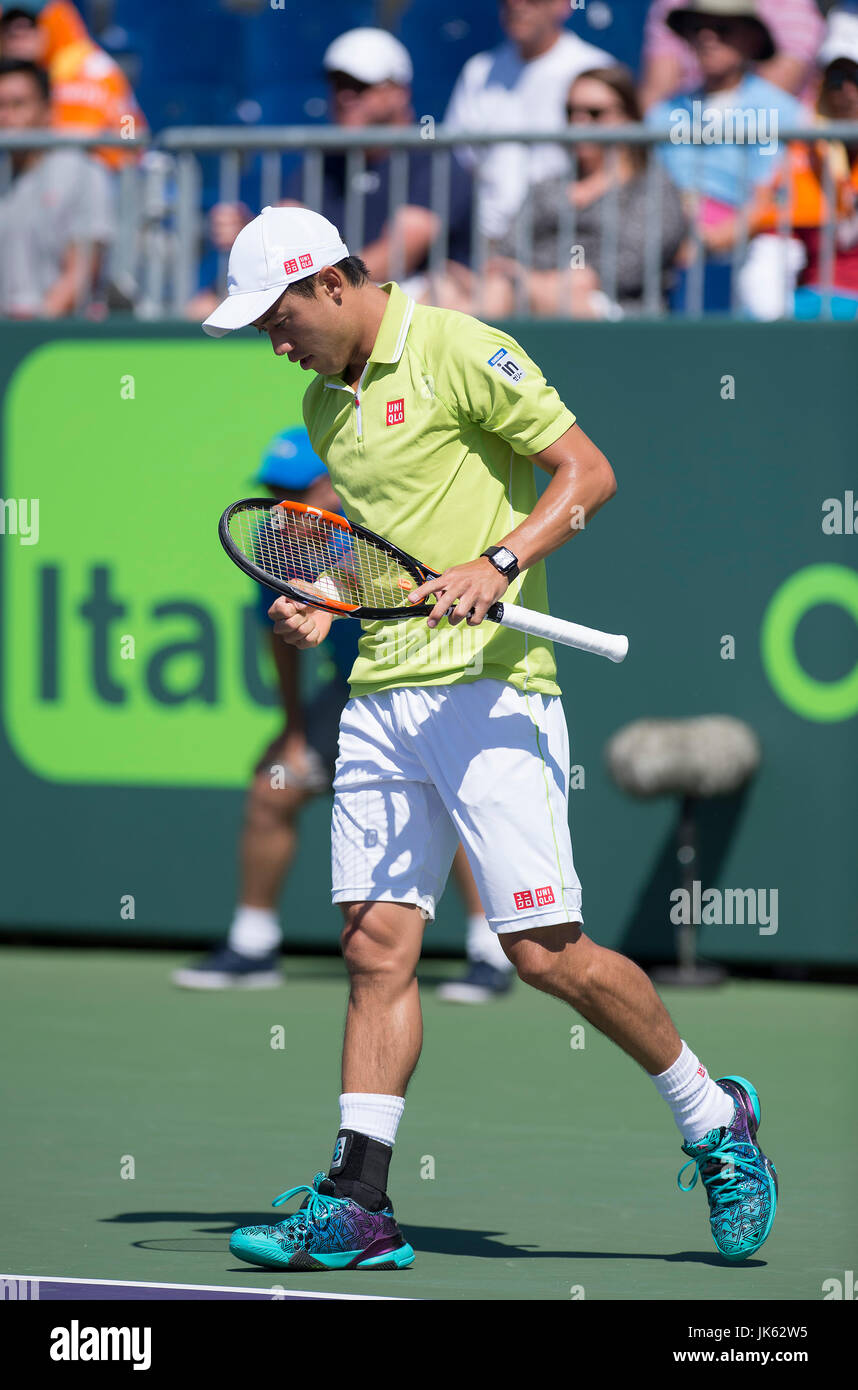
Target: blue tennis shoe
[
  {"x": 741, "y": 1183},
  {"x": 328, "y": 1232}
]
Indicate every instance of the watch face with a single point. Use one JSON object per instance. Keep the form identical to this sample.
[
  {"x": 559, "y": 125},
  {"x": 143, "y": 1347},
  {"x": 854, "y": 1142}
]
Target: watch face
[{"x": 504, "y": 557}]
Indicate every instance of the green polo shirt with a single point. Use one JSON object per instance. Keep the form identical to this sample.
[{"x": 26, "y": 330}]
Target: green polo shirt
[{"x": 429, "y": 451}]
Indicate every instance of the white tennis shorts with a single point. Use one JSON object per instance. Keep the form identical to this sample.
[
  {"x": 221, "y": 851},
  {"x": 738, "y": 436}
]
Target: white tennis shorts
[{"x": 422, "y": 768}]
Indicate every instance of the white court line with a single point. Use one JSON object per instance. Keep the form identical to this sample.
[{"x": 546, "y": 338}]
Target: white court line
[{"x": 203, "y": 1288}]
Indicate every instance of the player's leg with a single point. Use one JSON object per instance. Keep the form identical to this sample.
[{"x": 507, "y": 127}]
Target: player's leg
[
  {"x": 489, "y": 973},
  {"x": 718, "y": 1119},
  {"x": 508, "y": 800},
  {"x": 349, "y": 1221},
  {"x": 381, "y": 944},
  {"x": 392, "y": 846},
  {"x": 608, "y": 989}
]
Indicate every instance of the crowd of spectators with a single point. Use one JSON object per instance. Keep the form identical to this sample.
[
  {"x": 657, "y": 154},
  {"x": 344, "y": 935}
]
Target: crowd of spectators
[
  {"x": 594, "y": 230},
  {"x": 57, "y": 208}
]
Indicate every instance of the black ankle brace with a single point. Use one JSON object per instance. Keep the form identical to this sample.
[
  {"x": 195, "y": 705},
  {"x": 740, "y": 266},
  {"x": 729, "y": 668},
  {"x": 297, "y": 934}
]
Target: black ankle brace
[{"x": 359, "y": 1168}]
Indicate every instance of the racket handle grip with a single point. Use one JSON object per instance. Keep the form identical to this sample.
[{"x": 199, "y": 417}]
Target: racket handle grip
[{"x": 587, "y": 639}]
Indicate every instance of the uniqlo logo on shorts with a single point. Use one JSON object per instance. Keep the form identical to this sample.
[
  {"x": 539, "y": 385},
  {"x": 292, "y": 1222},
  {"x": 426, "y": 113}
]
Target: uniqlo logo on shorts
[
  {"x": 305, "y": 262},
  {"x": 544, "y": 896},
  {"x": 396, "y": 412},
  {"x": 523, "y": 900},
  {"x": 290, "y": 267}
]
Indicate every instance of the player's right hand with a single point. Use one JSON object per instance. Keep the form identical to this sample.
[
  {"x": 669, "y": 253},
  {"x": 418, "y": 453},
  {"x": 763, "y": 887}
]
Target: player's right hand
[{"x": 299, "y": 624}]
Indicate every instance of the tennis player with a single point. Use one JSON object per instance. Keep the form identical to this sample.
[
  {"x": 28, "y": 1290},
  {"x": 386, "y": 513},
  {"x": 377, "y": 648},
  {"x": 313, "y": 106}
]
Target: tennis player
[{"x": 430, "y": 423}]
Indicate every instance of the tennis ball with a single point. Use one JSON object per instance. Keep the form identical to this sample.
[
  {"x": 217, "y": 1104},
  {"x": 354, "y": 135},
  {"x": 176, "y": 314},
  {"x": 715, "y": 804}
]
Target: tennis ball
[{"x": 328, "y": 588}]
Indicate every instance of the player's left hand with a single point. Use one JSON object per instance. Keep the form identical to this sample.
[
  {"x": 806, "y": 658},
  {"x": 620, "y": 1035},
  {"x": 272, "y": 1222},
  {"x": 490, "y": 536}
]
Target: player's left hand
[{"x": 469, "y": 589}]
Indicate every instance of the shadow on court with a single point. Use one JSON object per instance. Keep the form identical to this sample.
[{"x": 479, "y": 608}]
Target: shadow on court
[{"x": 427, "y": 1240}]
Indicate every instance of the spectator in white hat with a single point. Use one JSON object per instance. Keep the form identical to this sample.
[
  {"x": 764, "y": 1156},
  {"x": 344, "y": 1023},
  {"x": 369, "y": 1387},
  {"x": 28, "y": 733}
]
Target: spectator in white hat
[
  {"x": 369, "y": 74},
  {"x": 372, "y": 57},
  {"x": 520, "y": 85}
]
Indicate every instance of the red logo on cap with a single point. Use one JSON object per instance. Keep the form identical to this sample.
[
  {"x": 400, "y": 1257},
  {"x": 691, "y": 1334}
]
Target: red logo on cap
[
  {"x": 396, "y": 411},
  {"x": 305, "y": 262},
  {"x": 290, "y": 267}
]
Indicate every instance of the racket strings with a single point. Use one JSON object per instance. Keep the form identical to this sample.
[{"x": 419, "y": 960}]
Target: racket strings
[{"x": 321, "y": 559}]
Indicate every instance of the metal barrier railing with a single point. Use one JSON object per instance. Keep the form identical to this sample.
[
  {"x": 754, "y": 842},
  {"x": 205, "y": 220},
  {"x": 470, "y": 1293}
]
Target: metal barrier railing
[{"x": 155, "y": 260}]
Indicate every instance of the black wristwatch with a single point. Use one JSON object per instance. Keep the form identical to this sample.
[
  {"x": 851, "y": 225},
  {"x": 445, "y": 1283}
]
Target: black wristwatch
[{"x": 503, "y": 560}]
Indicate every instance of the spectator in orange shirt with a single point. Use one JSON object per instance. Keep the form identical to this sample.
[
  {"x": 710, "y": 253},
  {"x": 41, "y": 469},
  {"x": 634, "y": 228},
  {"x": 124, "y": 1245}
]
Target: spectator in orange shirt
[
  {"x": 808, "y": 196},
  {"x": 90, "y": 92}
]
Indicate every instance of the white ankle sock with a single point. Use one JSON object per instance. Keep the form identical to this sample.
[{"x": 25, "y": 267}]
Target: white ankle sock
[
  {"x": 255, "y": 931},
  {"x": 483, "y": 944},
  {"x": 698, "y": 1105},
  {"x": 375, "y": 1115}
]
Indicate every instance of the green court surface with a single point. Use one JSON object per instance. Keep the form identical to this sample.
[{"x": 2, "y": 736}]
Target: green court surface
[{"x": 525, "y": 1168}]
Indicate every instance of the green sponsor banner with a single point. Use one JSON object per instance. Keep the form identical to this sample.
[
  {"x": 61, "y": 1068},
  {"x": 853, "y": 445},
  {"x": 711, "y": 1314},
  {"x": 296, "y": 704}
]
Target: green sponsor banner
[
  {"x": 136, "y": 689},
  {"x": 132, "y": 646}
]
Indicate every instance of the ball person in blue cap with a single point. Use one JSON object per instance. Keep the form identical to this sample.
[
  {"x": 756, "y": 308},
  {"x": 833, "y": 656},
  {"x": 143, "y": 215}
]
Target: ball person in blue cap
[{"x": 296, "y": 766}]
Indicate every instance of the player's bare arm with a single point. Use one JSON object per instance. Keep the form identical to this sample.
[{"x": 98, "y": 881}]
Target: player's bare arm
[{"x": 582, "y": 481}]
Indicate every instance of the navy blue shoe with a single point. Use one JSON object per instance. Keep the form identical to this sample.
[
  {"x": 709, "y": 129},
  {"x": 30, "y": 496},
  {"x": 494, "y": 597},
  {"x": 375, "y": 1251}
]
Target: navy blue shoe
[
  {"x": 482, "y": 983},
  {"x": 225, "y": 968}
]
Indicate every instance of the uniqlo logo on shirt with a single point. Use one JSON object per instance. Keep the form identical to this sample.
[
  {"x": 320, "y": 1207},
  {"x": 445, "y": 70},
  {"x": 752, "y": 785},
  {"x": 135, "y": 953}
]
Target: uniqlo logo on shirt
[
  {"x": 544, "y": 896},
  {"x": 290, "y": 267},
  {"x": 396, "y": 412},
  {"x": 305, "y": 262},
  {"x": 523, "y": 900}
]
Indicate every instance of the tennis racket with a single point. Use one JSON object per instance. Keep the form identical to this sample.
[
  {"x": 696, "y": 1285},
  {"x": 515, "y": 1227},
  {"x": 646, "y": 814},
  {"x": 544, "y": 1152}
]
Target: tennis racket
[{"x": 315, "y": 557}]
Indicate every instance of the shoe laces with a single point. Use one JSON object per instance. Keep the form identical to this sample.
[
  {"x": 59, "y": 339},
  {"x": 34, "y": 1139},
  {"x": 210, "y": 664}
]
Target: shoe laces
[
  {"x": 317, "y": 1206},
  {"x": 724, "y": 1165}
]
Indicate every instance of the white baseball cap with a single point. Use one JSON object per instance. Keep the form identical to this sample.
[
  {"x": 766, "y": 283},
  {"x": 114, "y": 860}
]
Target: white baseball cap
[
  {"x": 279, "y": 246},
  {"x": 370, "y": 55},
  {"x": 841, "y": 40}
]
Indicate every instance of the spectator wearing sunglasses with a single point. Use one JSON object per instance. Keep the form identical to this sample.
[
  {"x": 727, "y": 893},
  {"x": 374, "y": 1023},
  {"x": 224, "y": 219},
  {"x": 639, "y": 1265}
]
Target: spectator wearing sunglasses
[
  {"x": 606, "y": 212},
  {"x": 519, "y": 86},
  {"x": 369, "y": 76}
]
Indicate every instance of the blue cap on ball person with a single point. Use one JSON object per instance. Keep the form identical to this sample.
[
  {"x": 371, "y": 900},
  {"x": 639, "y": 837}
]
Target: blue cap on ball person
[{"x": 289, "y": 462}]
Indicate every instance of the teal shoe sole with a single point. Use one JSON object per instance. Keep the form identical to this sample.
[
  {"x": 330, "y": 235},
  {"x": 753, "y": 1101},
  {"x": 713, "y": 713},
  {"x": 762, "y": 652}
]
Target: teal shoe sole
[
  {"x": 298, "y": 1262},
  {"x": 394, "y": 1259}
]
